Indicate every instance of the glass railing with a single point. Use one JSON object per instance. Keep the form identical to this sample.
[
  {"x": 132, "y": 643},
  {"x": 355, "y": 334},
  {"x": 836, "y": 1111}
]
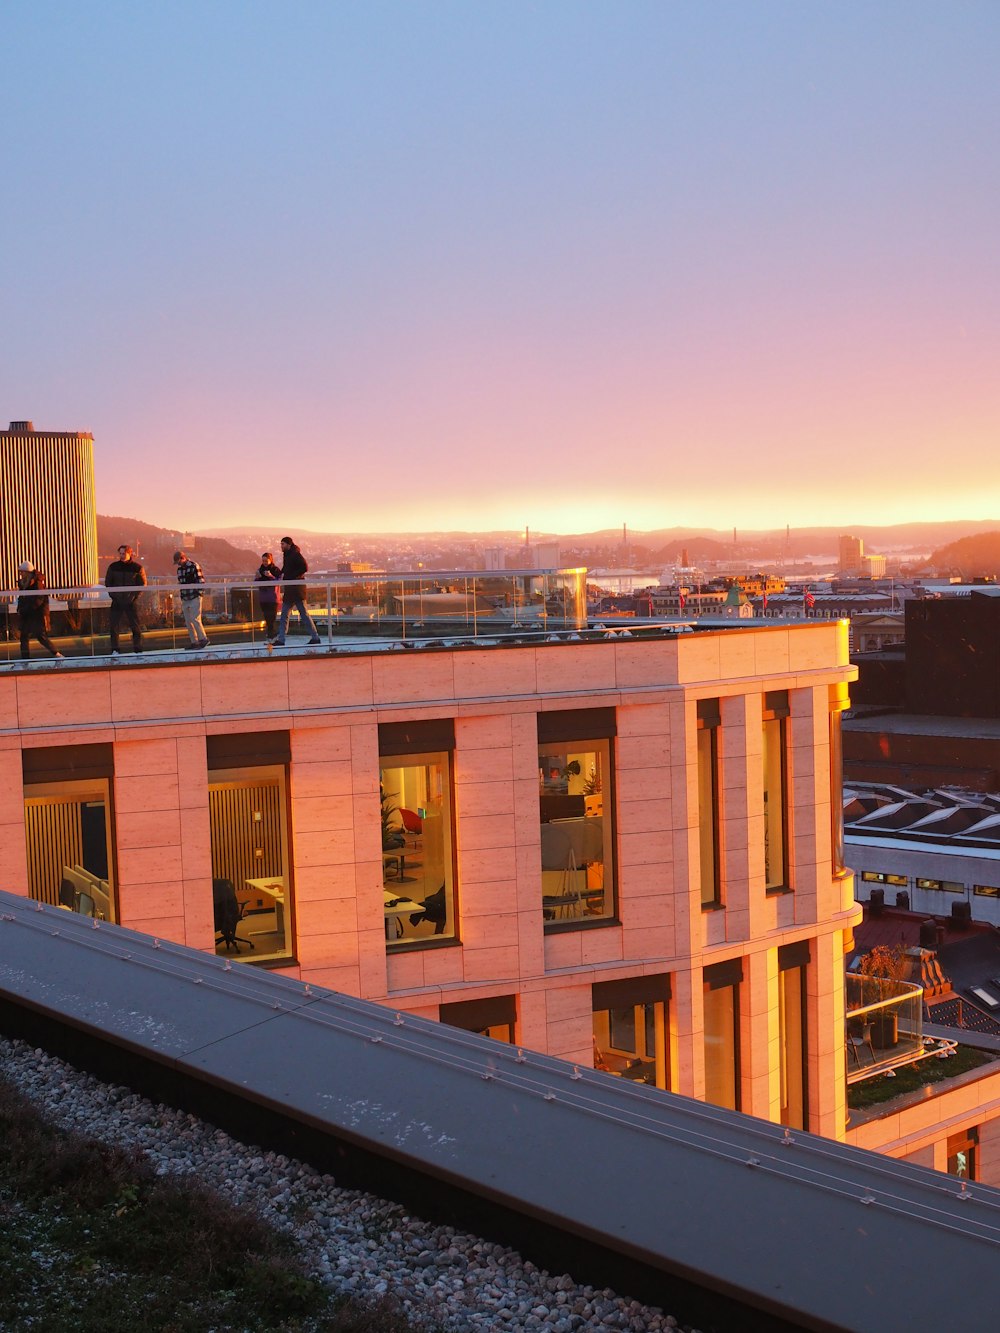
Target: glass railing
[
  {"x": 885, "y": 1022},
  {"x": 235, "y": 613}
]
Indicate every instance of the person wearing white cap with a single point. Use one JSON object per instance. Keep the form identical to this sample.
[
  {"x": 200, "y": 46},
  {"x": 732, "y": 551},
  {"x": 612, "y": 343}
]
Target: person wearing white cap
[{"x": 33, "y": 609}]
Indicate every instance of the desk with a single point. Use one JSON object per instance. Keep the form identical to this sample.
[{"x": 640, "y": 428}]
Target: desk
[
  {"x": 275, "y": 890},
  {"x": 395, "y": 908},
  {"x": 571, "y": 843}
]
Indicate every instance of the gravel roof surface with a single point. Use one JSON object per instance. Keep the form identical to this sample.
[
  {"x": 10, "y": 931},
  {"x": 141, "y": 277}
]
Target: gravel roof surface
[{"x": 443, "y": 1278}]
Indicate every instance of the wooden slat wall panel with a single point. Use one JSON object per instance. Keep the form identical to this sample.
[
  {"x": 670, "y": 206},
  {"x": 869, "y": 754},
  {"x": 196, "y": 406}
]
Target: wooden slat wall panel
[
  {"x": 47, "y": 509},
  {"x": 55, "y": 839},
  {"x": 237, "y": 836}
]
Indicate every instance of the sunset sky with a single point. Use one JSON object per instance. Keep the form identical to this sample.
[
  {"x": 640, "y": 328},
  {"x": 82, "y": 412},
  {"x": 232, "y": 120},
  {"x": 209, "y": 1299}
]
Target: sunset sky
[{"x": 374, "y": 266}]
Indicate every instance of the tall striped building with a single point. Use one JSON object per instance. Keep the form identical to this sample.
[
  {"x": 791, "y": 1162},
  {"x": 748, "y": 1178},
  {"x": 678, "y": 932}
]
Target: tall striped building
[{"x": 47, "y": 509}]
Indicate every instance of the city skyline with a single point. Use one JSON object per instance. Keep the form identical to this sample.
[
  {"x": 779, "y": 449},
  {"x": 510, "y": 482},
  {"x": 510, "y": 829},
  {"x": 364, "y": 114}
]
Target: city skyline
[{"x": 433, "y": 267}]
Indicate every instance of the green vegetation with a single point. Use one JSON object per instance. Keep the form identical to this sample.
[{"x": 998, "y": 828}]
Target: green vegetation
[
  {"x": 912, "y": 1078},
  {"x": 971, "y": 556},
  {"x": 93, "y": 1240}
]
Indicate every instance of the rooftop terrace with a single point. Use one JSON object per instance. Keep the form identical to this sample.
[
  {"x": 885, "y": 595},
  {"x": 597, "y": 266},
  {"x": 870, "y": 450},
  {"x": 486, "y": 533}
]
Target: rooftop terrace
[{"x": 351, "y": 613}]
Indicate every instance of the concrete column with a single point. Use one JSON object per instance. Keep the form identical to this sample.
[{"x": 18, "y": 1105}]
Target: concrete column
[
  {"x": 687, "y": 1033},
  {"x": 652, "y": 885},
  {"x": 15, "y": 874},
  {"x": 162, "y": 838},
  {"x": 569, "y": 1021},
  {"x": 336, "y": 850},
  {"x": 826, "y": 1036},
  {"x": 488, "y": 800},
  {"x": 688, "y": 925},
  {"x": 742, "y": 817},
  {"x": 809, "y": 841},
  {"x": 760, "y": 1036},
  {"x": 989, "y": 1152}
]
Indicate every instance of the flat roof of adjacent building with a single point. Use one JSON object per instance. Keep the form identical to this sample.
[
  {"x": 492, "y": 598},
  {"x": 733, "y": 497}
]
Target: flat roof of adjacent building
[{"x": 812, "y": 1232}]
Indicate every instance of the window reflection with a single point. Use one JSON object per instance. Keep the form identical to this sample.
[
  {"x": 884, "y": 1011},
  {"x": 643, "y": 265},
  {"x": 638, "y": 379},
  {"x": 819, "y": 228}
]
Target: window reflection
[
  {"x": 792, "y": 1046},
  {"x": 963, "y": 1153},
  {"x": 722, "y": 1046}
]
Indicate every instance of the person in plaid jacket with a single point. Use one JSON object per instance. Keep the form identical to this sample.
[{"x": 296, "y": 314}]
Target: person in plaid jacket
[{"x": 188, "y": 574}]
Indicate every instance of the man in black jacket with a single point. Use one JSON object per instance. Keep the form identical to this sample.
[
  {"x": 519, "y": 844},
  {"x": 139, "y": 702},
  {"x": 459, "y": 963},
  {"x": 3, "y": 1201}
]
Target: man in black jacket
[
  {"x": 126, "y": 574},
  {"x": 33, "y": 609},
  {"x": 293, "y": 593}
]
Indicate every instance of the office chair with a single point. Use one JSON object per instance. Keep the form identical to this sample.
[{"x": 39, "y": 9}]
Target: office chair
[
  {"x": 228, "y": 914},
  {"x": 434, "y": 908},
  {"x": 859, "y": 1038}
]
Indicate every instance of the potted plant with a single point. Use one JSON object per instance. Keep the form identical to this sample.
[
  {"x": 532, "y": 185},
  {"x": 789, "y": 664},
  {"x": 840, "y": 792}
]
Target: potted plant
[
  {"x": 883, "y": 968},
  {"x": 392, "y": 828}
]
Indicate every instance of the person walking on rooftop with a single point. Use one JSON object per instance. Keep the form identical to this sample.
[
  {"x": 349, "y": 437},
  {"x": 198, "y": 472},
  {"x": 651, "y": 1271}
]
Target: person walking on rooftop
[
  {"x": 124, "y": 578},
  {"x": 188, "y": 576},
  {"x": 293, "y": 569},
  {"x": 268, "y": 576},
  {"x": 33, "y": 609}
]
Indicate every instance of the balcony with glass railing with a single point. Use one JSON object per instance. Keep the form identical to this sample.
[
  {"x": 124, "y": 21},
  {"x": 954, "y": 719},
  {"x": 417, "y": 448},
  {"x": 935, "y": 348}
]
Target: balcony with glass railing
[
  {"x": 884, "y": 1026},
  {"x": 346, "y": 609}
]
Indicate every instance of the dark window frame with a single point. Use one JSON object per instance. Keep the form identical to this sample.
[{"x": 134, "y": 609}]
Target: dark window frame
[
  {"x": 797, "y": 957},
  {"x": 489, "y": 1012},
  {"x": 729, "y": 976},
  {"x": 710, "y": 721},
  {"x": 777, "y": 709}
]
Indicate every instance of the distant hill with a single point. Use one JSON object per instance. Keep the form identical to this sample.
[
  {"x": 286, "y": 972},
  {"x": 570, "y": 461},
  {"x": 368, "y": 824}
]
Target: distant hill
[
  {"x": 768, "y": 543},
  {"x": 156, "y": 548},
  {"x": 970, "y": 557}
]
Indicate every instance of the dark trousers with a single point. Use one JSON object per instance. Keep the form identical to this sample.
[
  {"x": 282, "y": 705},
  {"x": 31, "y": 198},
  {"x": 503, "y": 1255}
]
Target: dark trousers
[
  {"x": 269, "y": 610},
  {"x": 129, "y": 612},
  {"x": 37, "y": 631}
]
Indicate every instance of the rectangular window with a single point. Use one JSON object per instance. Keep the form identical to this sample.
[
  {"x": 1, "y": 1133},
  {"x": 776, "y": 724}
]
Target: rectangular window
[
  {"x": 493, "y": 1017},
  {"x": 986, "y": 890},
  {"x": 722, "y": 1034},
  {"x": 251, "y": 884},
  {"x": 418, "y": 845},
  {"x": 928, "y": 884},
  {"x": 775, "y": 766},
  {"x": 839, "y": 702},
  {"x": 963, "y": 1154},
  {"x": 792, "y": 1029},
  {"x": 575, "y": 811},
  {"x": 898, "y": 881},
  {"x": 630, "y": 1029},
  {"x": 709, "y": 721},
  {"x": 874, "y": 877},
  {"x": 67, "y": 829}
]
